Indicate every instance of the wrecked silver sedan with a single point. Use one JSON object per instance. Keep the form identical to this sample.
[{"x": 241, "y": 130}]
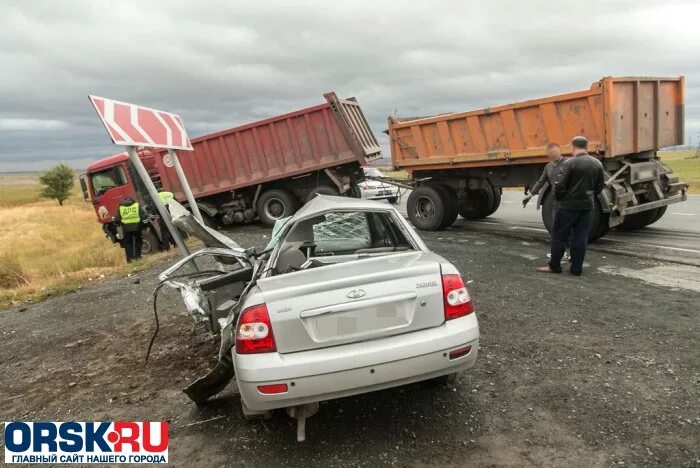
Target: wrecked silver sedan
[{"x": 346, "y": 299}]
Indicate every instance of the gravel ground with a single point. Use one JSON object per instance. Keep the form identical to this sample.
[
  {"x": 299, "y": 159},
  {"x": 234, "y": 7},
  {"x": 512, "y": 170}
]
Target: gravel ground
[{"x": 601, "y": 370}]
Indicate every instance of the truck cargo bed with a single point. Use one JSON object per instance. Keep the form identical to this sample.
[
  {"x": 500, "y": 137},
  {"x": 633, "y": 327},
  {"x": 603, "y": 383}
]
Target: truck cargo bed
[
  {"x": 619, "y": 116},
  {"x": 296, "y": 143}
]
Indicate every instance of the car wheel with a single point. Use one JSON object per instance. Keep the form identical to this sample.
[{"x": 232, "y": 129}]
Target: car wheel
[
  {"x": 276, "y": 204},
  {"x": 426, "y": 208},
  {"x": 449, "y": 379}
]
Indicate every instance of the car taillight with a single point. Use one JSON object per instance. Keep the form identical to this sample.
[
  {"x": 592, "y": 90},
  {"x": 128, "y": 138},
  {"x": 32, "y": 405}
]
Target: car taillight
[
  {"x": 455, "y": 297},
  {"x": 254, "y": 334}
]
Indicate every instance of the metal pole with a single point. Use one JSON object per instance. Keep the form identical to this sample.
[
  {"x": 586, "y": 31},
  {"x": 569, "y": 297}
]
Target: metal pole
[
  {"x": 156, "y": 199},
  {"x": 185, "y": 185}
]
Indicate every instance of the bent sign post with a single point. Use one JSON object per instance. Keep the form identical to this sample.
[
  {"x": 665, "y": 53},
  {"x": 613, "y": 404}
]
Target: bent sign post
[{"x": 137, "y": 126}]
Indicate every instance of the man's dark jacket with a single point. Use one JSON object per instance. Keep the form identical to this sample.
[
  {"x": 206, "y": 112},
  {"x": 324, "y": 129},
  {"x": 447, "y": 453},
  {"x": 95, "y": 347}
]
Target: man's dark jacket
[
  {"x": 579, "y": 182},
  {"x": 549, "y": 174}
]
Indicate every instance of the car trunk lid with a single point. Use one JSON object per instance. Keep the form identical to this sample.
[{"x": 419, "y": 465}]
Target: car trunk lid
[{"x": 354, "y": 301}]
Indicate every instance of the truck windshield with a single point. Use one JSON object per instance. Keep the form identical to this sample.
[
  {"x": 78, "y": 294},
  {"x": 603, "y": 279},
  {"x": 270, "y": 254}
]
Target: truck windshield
[
  {"x": 341, "y": 233},
  {"x": 107, "y": 179}
]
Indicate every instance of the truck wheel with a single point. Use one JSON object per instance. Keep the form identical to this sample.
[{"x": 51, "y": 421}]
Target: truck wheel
[
  {"x": 426, "y": 208},
  {"x": 660, "y": 214},
  {"x": 276, "y": 204},
  {"x": 209, "y": 221},
  {"x": 450, "y": 200},
  {"x": 323, "y": 190},
  {"x": 479, "y": 204},
  {"x": 149, "y": 242},
  {"x": 496, "y": 200},
  {"x": 599, "y": 220},
  {"x": 639, "y": 220}
]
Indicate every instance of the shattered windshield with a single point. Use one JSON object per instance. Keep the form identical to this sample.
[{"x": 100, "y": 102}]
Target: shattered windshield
[{"x": 341, "y": 233}]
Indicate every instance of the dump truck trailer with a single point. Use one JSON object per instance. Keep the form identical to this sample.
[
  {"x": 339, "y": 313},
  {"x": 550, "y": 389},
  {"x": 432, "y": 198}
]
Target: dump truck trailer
[
  {"x": 264, "y": 170},
  {"x": 462, "y": 161}
]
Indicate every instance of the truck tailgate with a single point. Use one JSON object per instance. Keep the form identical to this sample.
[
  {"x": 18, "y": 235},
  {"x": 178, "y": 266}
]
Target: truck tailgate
[{"x": 354, "y": 301}]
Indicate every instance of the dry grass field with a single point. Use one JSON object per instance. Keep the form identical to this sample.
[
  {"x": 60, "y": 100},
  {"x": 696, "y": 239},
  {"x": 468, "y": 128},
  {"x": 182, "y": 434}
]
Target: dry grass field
[
  {"x": 685, "y": 165},
  {"x": 46, "y": 249}
]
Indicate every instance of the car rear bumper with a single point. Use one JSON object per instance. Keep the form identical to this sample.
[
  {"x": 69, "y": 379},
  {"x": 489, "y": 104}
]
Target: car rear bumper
[{"x": 340, "y": 371}]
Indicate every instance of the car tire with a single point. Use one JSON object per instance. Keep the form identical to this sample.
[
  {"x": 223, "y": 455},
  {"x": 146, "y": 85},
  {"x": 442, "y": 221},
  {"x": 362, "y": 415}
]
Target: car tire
[
  {"x": 449, "y": 379},
  {"x": 323, "y": 190},
  {"x": 276, "y": 204},
  {"x": 426, "y": 208}
]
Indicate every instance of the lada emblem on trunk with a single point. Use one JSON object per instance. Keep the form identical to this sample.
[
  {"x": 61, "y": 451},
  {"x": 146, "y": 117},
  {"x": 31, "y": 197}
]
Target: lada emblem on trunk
[{"x": 356, "y": 293}]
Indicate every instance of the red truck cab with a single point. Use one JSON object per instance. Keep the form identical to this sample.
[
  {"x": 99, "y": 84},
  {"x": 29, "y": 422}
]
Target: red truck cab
[{"x": 106, "y": 183}]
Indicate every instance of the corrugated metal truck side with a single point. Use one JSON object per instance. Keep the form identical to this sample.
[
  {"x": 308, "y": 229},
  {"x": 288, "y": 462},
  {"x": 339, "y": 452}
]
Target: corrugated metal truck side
[{"x": 470, "y": 156}]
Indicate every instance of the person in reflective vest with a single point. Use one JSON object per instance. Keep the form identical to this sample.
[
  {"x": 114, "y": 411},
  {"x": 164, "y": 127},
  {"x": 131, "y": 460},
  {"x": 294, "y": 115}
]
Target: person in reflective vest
[
  {"x": 131, "y": 217},
  {"x": 165, "y": 198}
]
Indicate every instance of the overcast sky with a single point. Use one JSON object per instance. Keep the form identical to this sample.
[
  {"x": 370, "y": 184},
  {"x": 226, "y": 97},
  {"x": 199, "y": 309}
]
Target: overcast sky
[{"x": 225, "y": 63}]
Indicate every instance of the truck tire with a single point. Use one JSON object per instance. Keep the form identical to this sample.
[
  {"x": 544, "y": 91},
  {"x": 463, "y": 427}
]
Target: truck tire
[
  {"x": 479, "y": 205},
  {"x": 496, "y": 200},
  {"x": 276, "y": 204},
  {"x": 660, "y": 214},
  {"x": 640, "y": 220},
  {"x": 599, "y": 220},
  {"x": 209, "y": 221},
  {"x": 323, "y": 190},
  {"x": 426, "y": 208},
  {"x": 450, "y": 199},
  {"x": 149, "y": 242}
]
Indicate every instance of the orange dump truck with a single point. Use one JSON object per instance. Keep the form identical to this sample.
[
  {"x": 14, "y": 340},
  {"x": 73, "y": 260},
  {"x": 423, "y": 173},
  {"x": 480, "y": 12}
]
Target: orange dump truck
[{"x": 465, "y": 159}]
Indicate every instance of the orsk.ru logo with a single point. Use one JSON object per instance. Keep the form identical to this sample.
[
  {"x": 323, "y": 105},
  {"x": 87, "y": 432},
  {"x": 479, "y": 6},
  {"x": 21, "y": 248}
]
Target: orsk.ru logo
[{"x": 86, "y": 442}]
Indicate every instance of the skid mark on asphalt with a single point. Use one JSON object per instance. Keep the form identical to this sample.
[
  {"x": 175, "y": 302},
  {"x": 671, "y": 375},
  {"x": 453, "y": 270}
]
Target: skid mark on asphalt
[{"x": 671, "y": 276}]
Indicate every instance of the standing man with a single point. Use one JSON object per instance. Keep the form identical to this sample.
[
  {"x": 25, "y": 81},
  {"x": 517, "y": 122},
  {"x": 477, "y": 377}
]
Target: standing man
[
  {"x": 130, "y": 216},
  {"x": 550, "y": 173},
  {"x": 579, "y": 182}
]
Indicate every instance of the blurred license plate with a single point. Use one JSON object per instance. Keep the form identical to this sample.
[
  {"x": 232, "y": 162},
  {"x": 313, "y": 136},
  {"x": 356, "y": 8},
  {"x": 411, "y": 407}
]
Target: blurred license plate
[{"x": 384, "y": 192}]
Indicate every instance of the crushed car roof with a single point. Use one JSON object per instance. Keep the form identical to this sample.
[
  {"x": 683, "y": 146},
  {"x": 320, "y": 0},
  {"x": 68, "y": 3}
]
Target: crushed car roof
[{"x": 323, "y": 203}]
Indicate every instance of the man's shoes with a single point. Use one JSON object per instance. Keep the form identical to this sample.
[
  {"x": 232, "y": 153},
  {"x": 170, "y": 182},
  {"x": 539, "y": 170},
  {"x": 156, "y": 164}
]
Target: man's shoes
[
  {"x": 547, "y": 269},
  {"x": 576, "y": 273}
]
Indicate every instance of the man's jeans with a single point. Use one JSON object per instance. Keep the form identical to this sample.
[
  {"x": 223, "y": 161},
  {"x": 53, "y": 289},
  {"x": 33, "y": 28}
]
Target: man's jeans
[{"x": 571, "y": 226}]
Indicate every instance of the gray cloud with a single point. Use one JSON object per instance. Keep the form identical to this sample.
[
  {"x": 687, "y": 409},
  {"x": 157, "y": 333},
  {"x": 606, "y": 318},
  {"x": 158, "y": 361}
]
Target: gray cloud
[{"x": 221, "y": 63}]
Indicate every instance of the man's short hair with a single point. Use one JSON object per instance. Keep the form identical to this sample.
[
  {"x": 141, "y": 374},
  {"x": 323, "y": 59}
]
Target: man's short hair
[
  {"x": 580, "y": 142},
  {"x": 552, "y": 145}
]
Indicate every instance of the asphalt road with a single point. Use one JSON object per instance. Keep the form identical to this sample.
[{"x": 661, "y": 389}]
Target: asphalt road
[{"x": 674, "y": 237}]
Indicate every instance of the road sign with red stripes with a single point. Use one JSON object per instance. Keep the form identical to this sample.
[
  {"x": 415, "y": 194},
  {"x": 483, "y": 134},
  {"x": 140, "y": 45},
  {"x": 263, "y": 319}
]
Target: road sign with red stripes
[{"x": 132, "y": 125}]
